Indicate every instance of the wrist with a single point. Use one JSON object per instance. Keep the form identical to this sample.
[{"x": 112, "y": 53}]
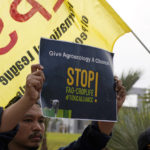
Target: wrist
[
  {"x": 27, "y": 100},
  {"x": 105, "y": 127}
]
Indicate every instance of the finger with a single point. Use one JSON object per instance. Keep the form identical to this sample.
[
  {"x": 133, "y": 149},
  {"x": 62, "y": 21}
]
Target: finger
[
  {"x": 34, "y": 83},
  {"x": 115, "y": 82},
  {"x": 39, "y": 73},
  {"x": 121, "y": 90},
  {"x": 121, "y": 94},
  {"x": 36, "y": 67},
  {"x": 38, "y": 78},
  {"x": 118, "y": 85},
  {"x": 115, "y": 78}
]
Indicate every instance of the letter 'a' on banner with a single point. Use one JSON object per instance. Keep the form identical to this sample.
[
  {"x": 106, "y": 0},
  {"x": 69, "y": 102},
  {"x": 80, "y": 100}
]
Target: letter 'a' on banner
[{"x": 24, "y": 22}]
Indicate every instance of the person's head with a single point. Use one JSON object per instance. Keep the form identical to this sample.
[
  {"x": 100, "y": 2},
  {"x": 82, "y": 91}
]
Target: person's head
[
  {"x": 31, "y": 129},
  {"x": 144, "y": 140}
]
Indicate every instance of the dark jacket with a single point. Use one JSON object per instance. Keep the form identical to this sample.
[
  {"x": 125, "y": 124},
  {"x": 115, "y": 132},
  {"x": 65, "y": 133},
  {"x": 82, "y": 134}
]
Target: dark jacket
[{"x": 6, "y": 137}]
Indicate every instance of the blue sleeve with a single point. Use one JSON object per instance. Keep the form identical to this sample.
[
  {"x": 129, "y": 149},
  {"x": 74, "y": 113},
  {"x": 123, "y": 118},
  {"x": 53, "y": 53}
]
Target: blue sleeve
[
  {"x": 6, "y": 137},
  {"x": 1, "y": 111},
  {"x": 91, "y": 139}
]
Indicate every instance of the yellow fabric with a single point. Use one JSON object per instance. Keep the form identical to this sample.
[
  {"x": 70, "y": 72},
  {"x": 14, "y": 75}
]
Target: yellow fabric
[{"x": 90, "y": 22}]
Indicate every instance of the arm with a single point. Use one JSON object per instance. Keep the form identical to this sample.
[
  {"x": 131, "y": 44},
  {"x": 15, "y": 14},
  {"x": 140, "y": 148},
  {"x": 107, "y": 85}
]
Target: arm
[
  {"x": 91, "y": 139},
  {"x": 14, "y": 113},
  {"x": 106, "y": 127},
  {"x": 96, "y": 135}
]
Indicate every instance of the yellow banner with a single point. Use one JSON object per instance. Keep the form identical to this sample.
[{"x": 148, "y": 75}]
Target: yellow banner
[{"x": 23, "y": 22}]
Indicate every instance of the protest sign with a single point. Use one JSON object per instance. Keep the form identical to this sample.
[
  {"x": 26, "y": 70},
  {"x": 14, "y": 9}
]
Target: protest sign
[{"x": 79, "y": 81}]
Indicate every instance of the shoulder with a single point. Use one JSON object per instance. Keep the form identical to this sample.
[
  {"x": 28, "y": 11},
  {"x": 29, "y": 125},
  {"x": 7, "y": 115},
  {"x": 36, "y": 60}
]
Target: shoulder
[
  {"x": 6, "y": 137},
  {"x": 1, "y": 111}
]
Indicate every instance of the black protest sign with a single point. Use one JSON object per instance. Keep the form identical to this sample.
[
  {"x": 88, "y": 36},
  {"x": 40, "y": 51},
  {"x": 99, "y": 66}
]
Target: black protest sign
[{"x": 79, "y": 81}]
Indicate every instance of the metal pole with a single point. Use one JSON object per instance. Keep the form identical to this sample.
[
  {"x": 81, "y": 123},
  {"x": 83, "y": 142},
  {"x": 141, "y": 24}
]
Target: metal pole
[{"x": 141, "y": 42}]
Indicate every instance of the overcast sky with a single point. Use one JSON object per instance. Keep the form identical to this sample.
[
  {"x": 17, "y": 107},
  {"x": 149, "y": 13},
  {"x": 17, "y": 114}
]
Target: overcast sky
[{"x": 129, "y": 53}]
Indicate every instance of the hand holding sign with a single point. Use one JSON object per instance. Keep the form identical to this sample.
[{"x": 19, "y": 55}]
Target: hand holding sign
[
  {"x": 106, "y": 127},
  {"x": 34, "y": 83},
  {"x": 121, "y": 93}
]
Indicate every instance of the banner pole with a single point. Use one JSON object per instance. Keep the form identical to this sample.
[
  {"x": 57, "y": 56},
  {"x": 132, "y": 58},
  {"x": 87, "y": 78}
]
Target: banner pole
[{"x": 141, "y": 42}]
